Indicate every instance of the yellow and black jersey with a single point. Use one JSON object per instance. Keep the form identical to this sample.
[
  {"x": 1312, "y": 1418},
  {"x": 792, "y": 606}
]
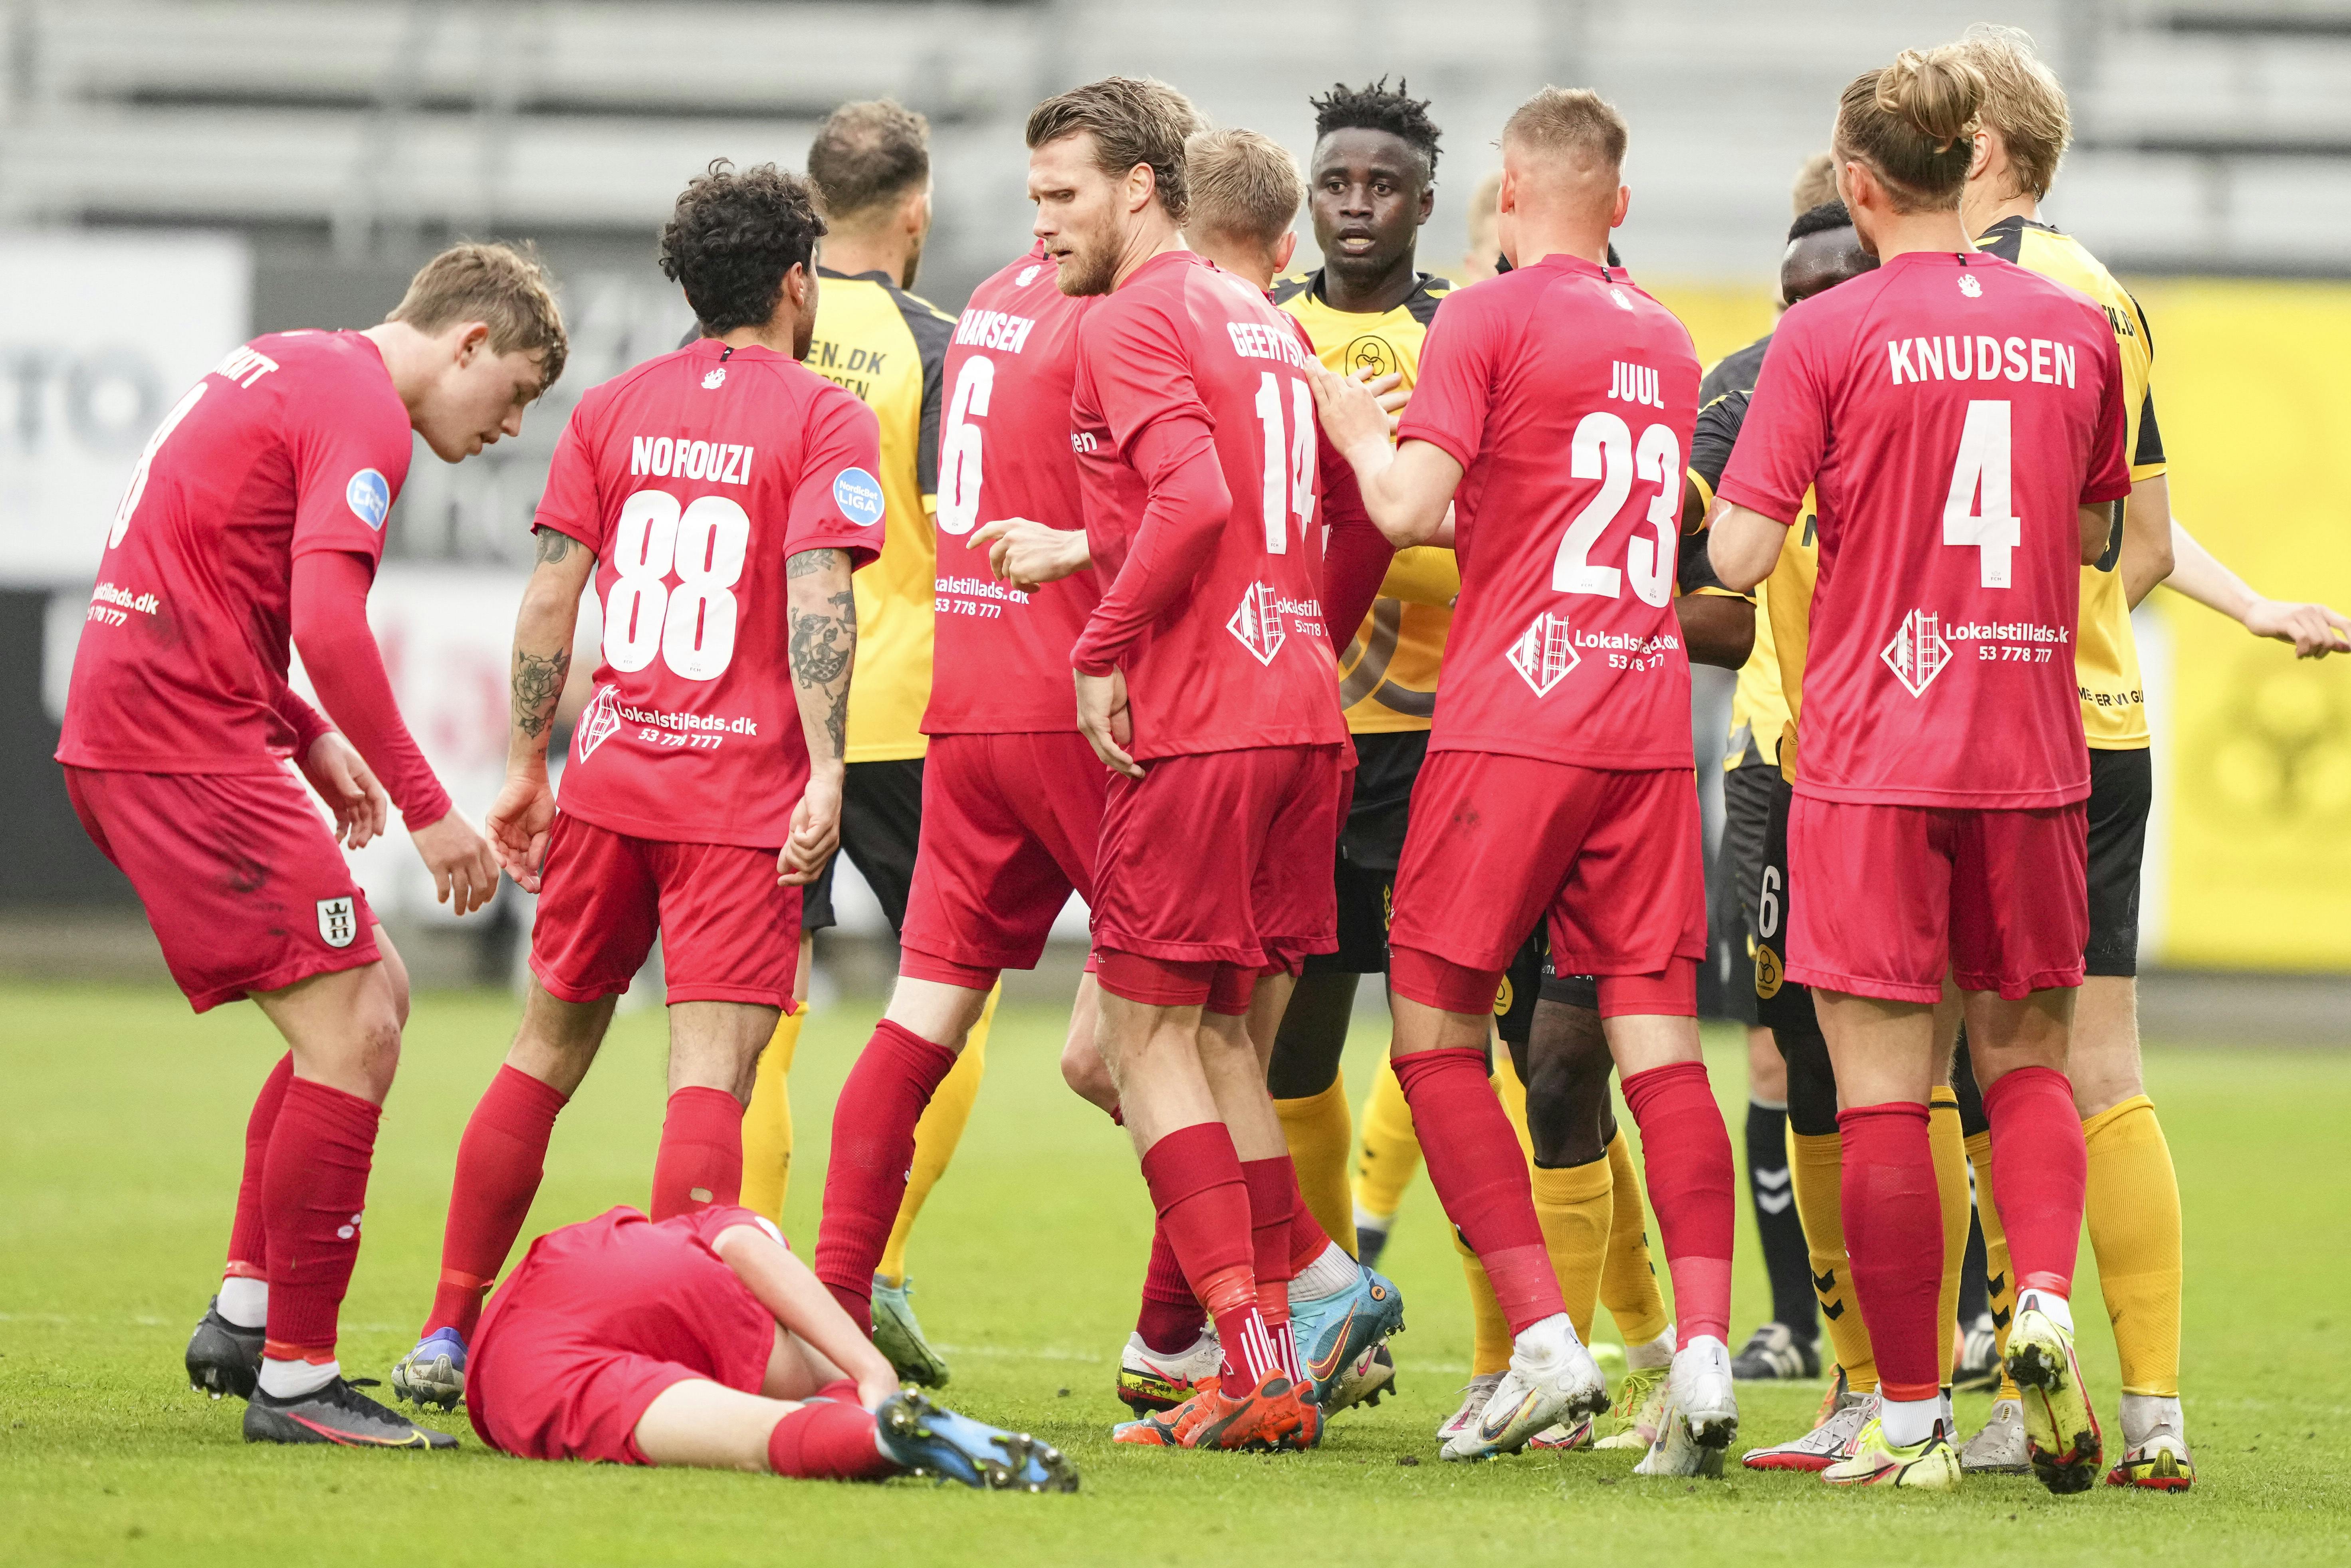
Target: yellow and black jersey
[
  {"x": 2105, "y": 657},
  {"x": 890, "y": 348},
  {"x": 1770, "y": 684},
  {"x": 1387, "y": 674}
]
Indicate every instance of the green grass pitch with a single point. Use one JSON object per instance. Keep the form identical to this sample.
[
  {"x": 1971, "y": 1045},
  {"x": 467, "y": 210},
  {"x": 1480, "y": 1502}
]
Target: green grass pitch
[{"x": 120, "y": 1165}]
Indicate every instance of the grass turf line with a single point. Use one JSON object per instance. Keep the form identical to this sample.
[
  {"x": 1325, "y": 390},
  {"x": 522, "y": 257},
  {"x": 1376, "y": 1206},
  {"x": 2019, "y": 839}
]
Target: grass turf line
[{"x": 121, "y": 1166}]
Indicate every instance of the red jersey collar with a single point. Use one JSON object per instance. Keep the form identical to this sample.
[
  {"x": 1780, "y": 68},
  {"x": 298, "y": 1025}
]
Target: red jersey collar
[{"x": 1562, "y": 261}]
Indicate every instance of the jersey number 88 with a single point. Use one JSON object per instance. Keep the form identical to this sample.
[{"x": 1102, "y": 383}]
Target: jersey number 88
[{"x": 692, "y": 626}]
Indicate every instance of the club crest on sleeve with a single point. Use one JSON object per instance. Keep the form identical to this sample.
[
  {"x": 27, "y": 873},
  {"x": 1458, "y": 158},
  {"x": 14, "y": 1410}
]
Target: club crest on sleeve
[
  {"x": 369, "y": 495},
  {"x": 858, "y": 495},
  {"x": 339, "y": 921}
]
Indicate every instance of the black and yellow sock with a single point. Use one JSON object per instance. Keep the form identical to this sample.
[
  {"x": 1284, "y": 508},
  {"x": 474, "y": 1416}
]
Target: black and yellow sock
[{"x": 1816, "y": 1170}]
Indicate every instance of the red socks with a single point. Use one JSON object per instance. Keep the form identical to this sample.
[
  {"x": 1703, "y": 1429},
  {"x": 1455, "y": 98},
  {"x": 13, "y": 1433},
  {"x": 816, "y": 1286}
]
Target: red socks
[
  {"x": 499, "y": 1161},
  {"x": 1476, "y": 1166},
  {"x": 1171, "y": 1316},
  {"x": 1894, "y": 1242},
  {"x": 2040, "y": 1171},
  {"x": 248, "y": 1237},
  {"x": 827, "y": 1442},
  {"x": 1203, "y": 1201},
  {"x": 313, "y": 1190},
  {"x": 1685, "y": 1161},
  {"x": 873, "y": 1144},
  {"x": 701, "y": 1157},
  {"x": 1273, "y": 1206}
]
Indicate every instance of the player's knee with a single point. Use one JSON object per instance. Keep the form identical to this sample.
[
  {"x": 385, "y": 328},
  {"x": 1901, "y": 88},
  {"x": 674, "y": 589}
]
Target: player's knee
[{"x": 1085, "y": 1071}]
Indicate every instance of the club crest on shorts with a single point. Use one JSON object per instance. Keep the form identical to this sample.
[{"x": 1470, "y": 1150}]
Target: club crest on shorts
[
  {"x": 1543, "y": 656},
  {"x": 1258, "y": 622},
  {"x": 598, "y": 721},
  {"x": 1918, "y": 653},
  {"x": 339, "y": 921}
]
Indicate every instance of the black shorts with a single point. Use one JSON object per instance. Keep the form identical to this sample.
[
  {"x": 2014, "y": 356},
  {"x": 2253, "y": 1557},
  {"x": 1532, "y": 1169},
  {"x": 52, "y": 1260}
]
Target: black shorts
[
  {"x": 2121, "y": 792},
  {"x": 1369, "y": 844},
  {"x": 1782, "y": 1005},
  {"x": 1739, "y": 876},
  {"x": 1570, "y": 990},
  {"x": 881, "y": 820}
]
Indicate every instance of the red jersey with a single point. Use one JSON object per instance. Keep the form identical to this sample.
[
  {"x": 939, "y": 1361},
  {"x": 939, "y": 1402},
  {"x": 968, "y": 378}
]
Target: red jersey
[
  {"x": 296, "y": 442},
  {"x": 1952, "y": 412},
  {"x": 1568, "y": 396},
  {"x": 1214, "y": 611},
  {"x": 1000, "y": 658},
  {"x": 693, "y": 477}
]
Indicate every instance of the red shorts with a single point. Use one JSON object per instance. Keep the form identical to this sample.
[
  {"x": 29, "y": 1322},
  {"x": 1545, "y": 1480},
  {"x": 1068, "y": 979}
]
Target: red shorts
[
  {"x": 1222, "y": 858},
  {"x": 1011, "y": 823},
  {"x": 729, "y": 933},
  {"x": 243, "y": 880},
  {"x": 598, "y": 1321},
  {"x": 1615, "y": 858},
  {"x": 1897, "y": 896}
]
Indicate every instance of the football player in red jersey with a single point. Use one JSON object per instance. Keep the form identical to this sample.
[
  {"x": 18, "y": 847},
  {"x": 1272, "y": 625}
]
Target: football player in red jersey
[
  {"x": 717, "y": 498},
  {"x": 255, "y": 519},
  {"x": 1559, "y": 776},
  {"x": 1203, "y": 680},
  {"x": 1961, "y": 420}
]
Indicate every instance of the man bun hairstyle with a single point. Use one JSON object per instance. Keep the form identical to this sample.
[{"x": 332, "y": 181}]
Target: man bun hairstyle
[
  {"x": 1573, "y": 122},
  {"x": 2023, "y": 101},
  {"x": 1829, "y": 214},
  {"x": 1133, "y": 120},
  {"x": 1375, "y": 107},
  {"x": 1913, "y": 123},
  {"x": 867, "y": 157},
  {"x": 1245, "y": 186},
  {"x": 733, "y": 236},
  {"x": 505, "y": 288}
]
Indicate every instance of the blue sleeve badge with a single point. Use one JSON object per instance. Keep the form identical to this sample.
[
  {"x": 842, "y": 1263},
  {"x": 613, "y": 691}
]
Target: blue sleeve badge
[
  {"x": 369, "y": 495},
  {"x": 858, "y": 495}
]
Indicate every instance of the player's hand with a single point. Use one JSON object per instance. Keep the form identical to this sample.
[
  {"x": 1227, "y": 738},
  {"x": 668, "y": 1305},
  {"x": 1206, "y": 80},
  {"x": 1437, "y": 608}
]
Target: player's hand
[
  {"x": 875, "y": 1387},
  {"x": 816, "y": 831},
  {"x": 518, "y": 824},
  {"x": 1029, "y": 554},
  {"x": 2313, "y": 629},
  {"x": 1104, "y": 721},
  {"x": 1388, "y": 391},
  {"x": 344, "y": 781},
  {"x": 464, "y": 872},
  {"x": 1351, "y": 415}
]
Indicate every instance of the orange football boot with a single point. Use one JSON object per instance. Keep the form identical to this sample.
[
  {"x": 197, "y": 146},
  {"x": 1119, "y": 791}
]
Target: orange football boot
[{"x": 1276, "y": 1414}]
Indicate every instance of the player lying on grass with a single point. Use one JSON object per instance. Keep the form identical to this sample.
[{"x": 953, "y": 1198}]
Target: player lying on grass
[
  {"x": 717, "y": 498},
  {"x": 255, "y": 519},
  {"x": 700, "y": 1340}
]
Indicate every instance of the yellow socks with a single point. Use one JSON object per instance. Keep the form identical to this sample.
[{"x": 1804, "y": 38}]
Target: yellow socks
[
  {"x": 1816, "y": 1169},
  {"x": 1576, "y": 1205},
  {"x": 2133, "y": 1210},
  {"x": 936, "y": 1137},
  {"x": 767, "y": 1122},
  {"x": 1628, "y": 1281},
  {"x": 2000, "y": 1288},
  {"x": 1390, "y": 1150},
  {"x": 1318, "y": 1132},
  {"x": 1489, "y": 1350},
  {"x": 1513, "y": 1096},
  {"x": 1949, "y": 1147}
]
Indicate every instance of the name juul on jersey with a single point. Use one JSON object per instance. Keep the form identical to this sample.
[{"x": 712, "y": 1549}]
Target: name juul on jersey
[{"x": 993, "y": 329}]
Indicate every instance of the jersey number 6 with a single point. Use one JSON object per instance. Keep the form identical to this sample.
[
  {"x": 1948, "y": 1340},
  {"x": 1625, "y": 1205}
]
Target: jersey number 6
[
  {"x": 959, "y": 465},
  {"x": 692, "y": 626},
  {"x": 1603, "y": 449}
]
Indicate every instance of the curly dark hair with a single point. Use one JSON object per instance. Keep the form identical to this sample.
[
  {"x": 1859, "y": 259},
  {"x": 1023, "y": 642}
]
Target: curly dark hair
[
  {"x": 1375, "y": 107},
  {"x": 1819, "y": 220},
  {"x": 734, "y": 236}
]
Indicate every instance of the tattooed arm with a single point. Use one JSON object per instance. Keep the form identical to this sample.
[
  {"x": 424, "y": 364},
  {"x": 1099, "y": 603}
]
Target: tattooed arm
[
  {"x": 823, "y": 622},
  {"x": 518, "y": 824}
]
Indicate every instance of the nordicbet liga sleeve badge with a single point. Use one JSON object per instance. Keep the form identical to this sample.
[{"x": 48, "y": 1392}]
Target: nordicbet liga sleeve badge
[
  {"x": 858, "y": 495},
  {"x": 339, "y": 922},
  {"x": 369, "y": 495}
]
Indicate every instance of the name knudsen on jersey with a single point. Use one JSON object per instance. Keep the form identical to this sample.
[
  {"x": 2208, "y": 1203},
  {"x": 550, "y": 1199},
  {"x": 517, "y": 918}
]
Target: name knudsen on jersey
[
  {"x": 719, "y": 462},
  {"x": 108, "y": 602},
  {"x": 1966, "y": 358},
  {"x": 981, "y": 596},
  {"x": 993, "y": 329},
  {"x": 1633, "y": 383},
  {"x": 1256, "y": 341}
]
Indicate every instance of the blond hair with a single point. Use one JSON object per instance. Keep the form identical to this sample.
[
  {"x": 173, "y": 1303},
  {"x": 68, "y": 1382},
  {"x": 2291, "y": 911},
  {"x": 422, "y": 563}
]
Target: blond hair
[
  {"x": 2023, "y": 102},
  {"x": 1245, "y": 186},
  {"x": 1575, "y": 121},
  {"x": 1815, "y": 184},
  {"x": 1133, "y": 120},
  {"x": 505, "y": 288},
  {"x": 1913, "y": 123}
]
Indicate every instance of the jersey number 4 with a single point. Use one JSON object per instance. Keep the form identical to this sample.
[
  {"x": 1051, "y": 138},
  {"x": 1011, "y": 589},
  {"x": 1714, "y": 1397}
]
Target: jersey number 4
[
  {"x": 692, "y": 625},
  {"x": 1978, "y": 514},
  {"x": 1603, "y": 449}
]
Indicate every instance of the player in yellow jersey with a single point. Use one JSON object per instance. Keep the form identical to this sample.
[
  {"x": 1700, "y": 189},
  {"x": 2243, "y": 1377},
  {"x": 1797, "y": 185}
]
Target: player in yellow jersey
[
  {"x": 870, "y": 164},
  {"x": 2133, "y": 1208}
]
